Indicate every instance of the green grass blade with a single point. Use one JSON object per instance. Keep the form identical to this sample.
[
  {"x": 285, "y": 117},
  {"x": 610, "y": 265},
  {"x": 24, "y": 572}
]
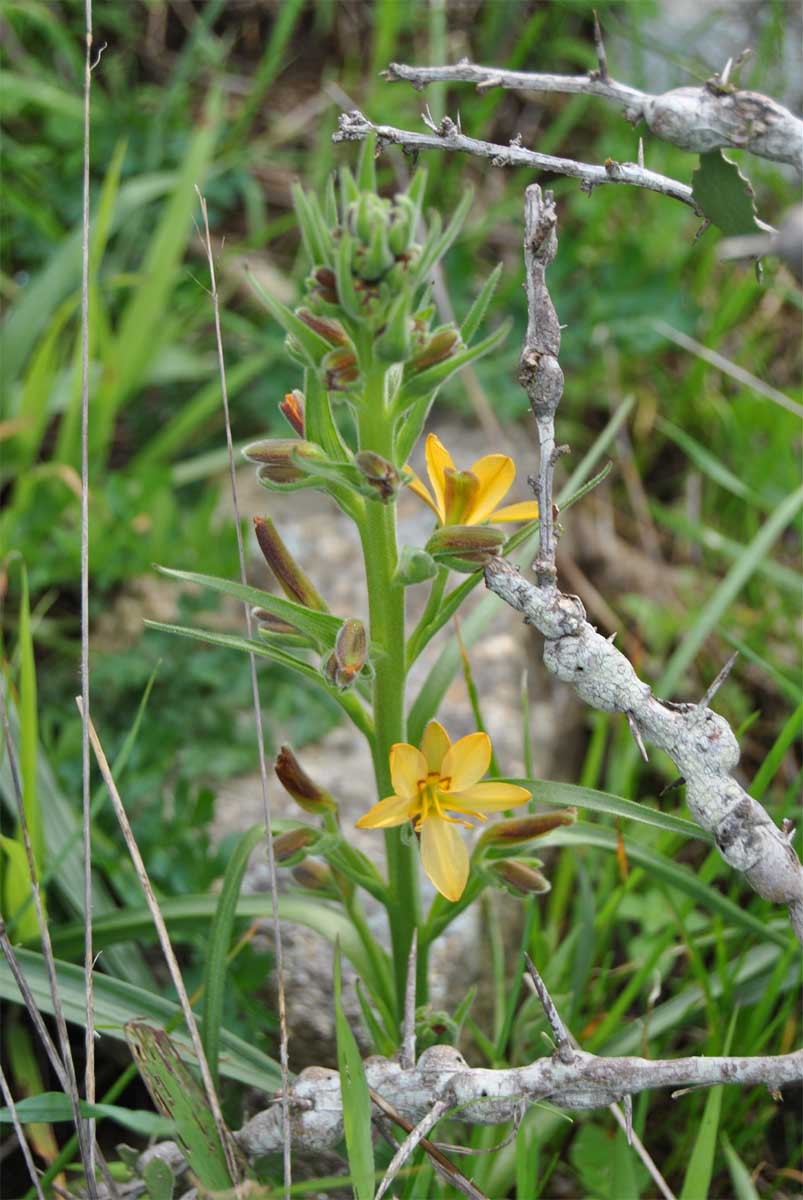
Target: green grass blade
[
  {"x": 322, "y": 627},
  {"x": 53, "y": 1107},
  {"x": 117, "y": 1003},
  {"x": 181, "y": 1099},
  {"x": 29, "y": 728},
  {"x": 476, "y": 314},
  {"x": 571, "y": 795},
  {"x": 743, "y": 1186},
  {"x": 218, "y": 946},
  {"x": 355, "y": 1098},
  {"x": 769, "y": 768}
]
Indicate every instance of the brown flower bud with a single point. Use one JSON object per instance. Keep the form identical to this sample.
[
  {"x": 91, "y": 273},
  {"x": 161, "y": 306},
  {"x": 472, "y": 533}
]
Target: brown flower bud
[
  {"x": 382, "y": 476},
  {"x": 295, "y": 780},
  {"x": 347, "y": 659},
  {"x": 295, "y": 841},
  {"x": 439, "y": 347},
  {"x": 279, "y": 458},
  {"x": 340, "y": 369},
  {"x": 465, "y": 548},
  {"x": 272, "y": 624},
  {"x": 326, "y": 327},
  {"x": 294, "y": 582},
  {"x": 520, "y": 878},
  {"x": 326, "y": 284},
  {"x": 314, "y": 876},
  {"x": 292, "y": 409},
  {"x": 524, "y": 829}
]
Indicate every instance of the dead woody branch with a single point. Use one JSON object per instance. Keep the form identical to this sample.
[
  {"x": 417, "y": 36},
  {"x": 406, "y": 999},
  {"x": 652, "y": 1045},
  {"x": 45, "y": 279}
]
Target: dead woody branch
[
  {"x": 699, "y": 741},
  {"x": 697, "y": 119}
]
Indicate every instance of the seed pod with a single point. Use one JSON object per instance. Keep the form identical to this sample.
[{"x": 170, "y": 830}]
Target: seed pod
[
  {"x": 280, "y": 458},
  {"x": 465, "y": 548},
  {"x": 315, "y": 876},
  {"x": 443, "y": 343},
  {"x": 330, "y": 330},
  {"x": 290, "y": 848},
  {"x": 340, "y": 369}
]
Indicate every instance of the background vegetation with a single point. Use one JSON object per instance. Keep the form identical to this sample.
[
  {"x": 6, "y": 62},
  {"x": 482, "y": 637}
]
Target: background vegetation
[{"x": 242, "y": 98}]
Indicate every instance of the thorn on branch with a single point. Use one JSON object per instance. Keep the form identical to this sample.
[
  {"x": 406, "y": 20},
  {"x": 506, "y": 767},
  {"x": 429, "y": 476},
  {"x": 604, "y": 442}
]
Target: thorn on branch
[
  {"x": 599, "y": 46},
  {"x": 718, "y": 682},
  {"x": 563, "y": 1039},
  {"x": 637, "y": 738}
]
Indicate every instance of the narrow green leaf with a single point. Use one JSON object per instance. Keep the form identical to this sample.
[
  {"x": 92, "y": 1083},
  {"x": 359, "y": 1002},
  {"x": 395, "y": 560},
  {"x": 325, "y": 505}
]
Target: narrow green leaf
[
  {"x": 29, "y": 728},
  {"x": 314, "y": 233},
  {"x": 319, "y": 422},
  {"x": 570, "y": 795},
  {"x": 312, "y": 344},
  {"x": 476, "y": 314},
  {"x": 159, "y": 1180},
  {"x": 743, "y": 1186},
  {"x": 117, "y": 1003},
  {"x": 180, "y": 1098},
  {"x": 218, "y": 946},
  {"x": 354, "y": 1097},
  {"x": 346, "y": 293},
  {"x": 366, "y": 168},
  {"x": 50, "y": 1108},
  {"x": 322, "y": 627},
  {"x": 769, "y": 768},
  {"x": 17, "y": 894},
  {"x": 437, "y": 246}
]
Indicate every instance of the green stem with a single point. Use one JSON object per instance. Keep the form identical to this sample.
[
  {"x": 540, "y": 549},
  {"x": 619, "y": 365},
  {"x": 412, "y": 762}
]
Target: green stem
[
  {"x": 432, "y": 606},
  {"x": 386, "y": 614}
]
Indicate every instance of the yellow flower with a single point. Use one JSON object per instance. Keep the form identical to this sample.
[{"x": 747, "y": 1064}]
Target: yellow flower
[
  {"x": 469, "y": 497},
  {"x": 434, "y": 782}
]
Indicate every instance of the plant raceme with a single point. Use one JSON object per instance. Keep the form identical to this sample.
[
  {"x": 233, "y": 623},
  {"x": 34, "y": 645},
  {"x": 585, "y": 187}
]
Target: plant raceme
[{"x": 373, "y": 358}]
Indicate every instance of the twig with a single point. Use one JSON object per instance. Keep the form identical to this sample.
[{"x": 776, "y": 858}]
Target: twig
[
  {"x": 167, "y": 951},
  {"x": 89, "y": 1028},
  {"x": 21, "y": 1138},
  {"x": 354, "y": 127},
  {"x": 697, "y": 119},
  {"x": 701, "y": 743},
  {"x": 263, "y": 770}
]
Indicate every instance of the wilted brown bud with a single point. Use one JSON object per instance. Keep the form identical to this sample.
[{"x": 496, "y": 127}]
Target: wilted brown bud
[
  {"x": 326, "y": 284},
  {"x": 347, "y": 659},
  {"x": 340, "y": 367},
  {"x": 465, "y": 548},
  {"x": 326, "y": 327},
  {"x": 524, "y": 829},
  {"x": 292, "y": 409},
  {"x": 520, "y": 878},
  {"x": 315, "y": 876},
  {"x": 295, "y": 780},
  {"x": 381, "y": 474},
  {"x": 272, "y": 624},
  {"x": 295, "y": 841},
  {"x": 294, "y": 582},
  {"x": 279, "y": 458},
  {"x": 439, "y": 347}
]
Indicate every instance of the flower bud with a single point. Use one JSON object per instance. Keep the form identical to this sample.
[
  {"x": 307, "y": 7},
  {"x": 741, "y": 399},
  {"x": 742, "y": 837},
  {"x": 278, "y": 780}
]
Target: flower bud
[
  {"x": 340, "y": 369},
  {"x": 288, "y": 846},
  {"x": 280, "y": 458},
  {"x": 271, "y": 624},
  {"x": 347, "y": 659},
  {"x": 325, "y": 285},
  {"x": 292, "y": 409},
  {"x": 465, "y": 548},
  {"x": 439, "y": 347},
  {"x": 294, "y": 582},
  {"x": 520, "y": 830},
  {"x": 519, "y": 878},
  {"x": 315, "y": 877},
  {"x": 297, "y": 783},
  {"x": 383, "y": 478},
  {"x": 330, "y": 330}
]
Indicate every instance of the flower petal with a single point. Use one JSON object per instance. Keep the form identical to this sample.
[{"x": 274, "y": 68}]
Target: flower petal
[
  {"x": 419, "y": 489},
  {"x": 466, "y": 762},
  {"x": 435, "y": 745},
  {"x": 395, "y": 810},
  {"x": 496, "y": 473},
  {"x": 461, "y": 490},
  {"x": 438, "y": 459},
  {"x": 444, "y": 857},
  {"x": 407, "y": 768},
  {"x": 490, "y": 796},
  {"x": 527, "y": 510}
]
